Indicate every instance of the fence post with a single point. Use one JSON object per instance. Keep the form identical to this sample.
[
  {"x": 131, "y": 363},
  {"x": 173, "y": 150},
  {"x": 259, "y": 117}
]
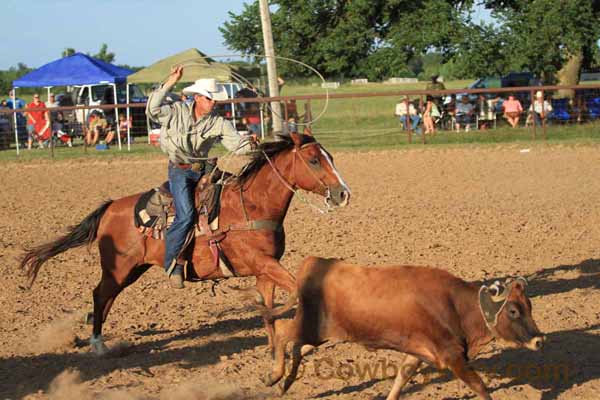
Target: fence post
[
  {"x": 543, "y": 115},
  {"x": 51, "y": 133},
  {"x": 407, "y": 120},
  {"x": 307, "y": 116},
  {"x": 421, "y": 108},
  {"x": 286, "y": 118},
  {"x": 85, "y": 131},
  {"x": 532, "y": 94}
]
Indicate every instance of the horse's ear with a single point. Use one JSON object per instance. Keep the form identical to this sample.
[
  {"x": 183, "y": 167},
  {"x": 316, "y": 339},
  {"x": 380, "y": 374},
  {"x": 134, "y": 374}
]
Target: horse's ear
[
  {"x": 307, "y": 131},
  {"x": 296, "y": 139}
]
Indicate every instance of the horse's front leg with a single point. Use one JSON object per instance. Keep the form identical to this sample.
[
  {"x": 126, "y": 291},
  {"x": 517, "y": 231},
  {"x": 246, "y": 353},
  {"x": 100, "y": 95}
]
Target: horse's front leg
[
  {"x": 266, "y": 287},
  {"x": 272, "y": 273}
]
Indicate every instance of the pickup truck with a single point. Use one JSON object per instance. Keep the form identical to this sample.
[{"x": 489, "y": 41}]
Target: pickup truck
[{"x": 92, "y": 95}]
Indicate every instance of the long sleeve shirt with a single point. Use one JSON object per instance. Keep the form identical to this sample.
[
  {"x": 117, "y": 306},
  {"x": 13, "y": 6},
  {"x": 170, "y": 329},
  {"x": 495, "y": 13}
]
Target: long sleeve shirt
[{"x": 186, "y": 140}]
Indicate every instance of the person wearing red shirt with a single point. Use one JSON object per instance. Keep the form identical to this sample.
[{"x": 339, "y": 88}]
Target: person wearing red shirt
[{"x": 38, "y": 123}]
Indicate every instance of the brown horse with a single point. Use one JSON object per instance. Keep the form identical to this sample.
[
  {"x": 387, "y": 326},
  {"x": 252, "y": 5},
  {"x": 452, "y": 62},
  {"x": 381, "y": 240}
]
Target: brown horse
[{"x": 252, "y": 211}]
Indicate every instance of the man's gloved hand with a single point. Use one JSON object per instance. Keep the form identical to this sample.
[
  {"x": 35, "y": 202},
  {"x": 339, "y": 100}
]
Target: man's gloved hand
[{"x": 254, "y": 141}]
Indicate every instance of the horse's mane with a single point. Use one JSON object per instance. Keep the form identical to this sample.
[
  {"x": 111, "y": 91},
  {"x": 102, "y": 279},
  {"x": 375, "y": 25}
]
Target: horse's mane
[{"x": 271, "y": 149}]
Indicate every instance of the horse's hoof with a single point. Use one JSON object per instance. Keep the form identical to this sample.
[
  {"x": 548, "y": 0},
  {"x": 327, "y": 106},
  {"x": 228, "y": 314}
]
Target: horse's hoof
[
  {"x": 100, "y": 349},
  {"x": 98, "y": 346}
]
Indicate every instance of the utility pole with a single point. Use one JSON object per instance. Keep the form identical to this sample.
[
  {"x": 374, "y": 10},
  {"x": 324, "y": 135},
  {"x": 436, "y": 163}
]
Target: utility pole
[{"x": 265, "y": 18}]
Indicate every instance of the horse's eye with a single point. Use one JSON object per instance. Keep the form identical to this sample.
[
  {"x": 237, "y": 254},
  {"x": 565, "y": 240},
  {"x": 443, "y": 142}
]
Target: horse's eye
[{"x": 314, "y": 161}]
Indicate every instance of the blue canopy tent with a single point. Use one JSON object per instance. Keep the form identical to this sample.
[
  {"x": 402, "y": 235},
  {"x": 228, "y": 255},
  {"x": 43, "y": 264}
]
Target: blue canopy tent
[{"x": 78, "y": 69}]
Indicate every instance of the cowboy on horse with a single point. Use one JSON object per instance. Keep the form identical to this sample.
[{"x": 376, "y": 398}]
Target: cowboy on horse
[
  {"x": 248, "y": 235},
  {"x": 188, "y": 132}
]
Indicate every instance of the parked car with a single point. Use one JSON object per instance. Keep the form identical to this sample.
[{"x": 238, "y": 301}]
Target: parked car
[{"x": 512, "y": 79}]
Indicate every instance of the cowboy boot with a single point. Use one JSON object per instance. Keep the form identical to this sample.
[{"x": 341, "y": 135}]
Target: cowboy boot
[{"x": 176, "y": 277}]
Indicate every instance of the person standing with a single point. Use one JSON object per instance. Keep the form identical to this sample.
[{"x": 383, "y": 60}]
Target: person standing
[
  {"x": 430, "y": 115},
  {"x": 188, "y": 132},
  {"x": 435, "y": 84},
  {"x": 19, "y": 117},
  {"x": 51, "y": 103}
]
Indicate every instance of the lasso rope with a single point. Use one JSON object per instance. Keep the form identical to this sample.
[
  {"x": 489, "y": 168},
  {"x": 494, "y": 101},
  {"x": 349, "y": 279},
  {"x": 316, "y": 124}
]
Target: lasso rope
[
  {"x": 242, "y": 80},
  {"x": 245, "y": 82}
]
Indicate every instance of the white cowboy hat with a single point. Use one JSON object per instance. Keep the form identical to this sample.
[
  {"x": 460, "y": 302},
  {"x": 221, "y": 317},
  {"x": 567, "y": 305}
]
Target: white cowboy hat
[
  {"x": 539, "y": 94},
  {"x": 208, "y": 88}
]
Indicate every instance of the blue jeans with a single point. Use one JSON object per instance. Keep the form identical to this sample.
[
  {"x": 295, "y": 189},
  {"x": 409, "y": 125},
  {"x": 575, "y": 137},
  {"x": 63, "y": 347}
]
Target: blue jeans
[
  {"x": 538, "y": 119},
  {"x": 414, "y": 123},
  {"x": 182, "y": 184}
]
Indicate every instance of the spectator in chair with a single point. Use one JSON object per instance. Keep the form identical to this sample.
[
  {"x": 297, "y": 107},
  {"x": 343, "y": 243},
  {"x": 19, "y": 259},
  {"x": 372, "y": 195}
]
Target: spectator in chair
[
  {"x": 404, "y": 114},
  {"x": 540, "y": 108},
  {"x": 464, "y": 113},
  {"x": 37, "y": 123},
  {"x": 98, "y": 125},
  {"x": 58, "y": 128},
  {"x": 512, "y": 110}
]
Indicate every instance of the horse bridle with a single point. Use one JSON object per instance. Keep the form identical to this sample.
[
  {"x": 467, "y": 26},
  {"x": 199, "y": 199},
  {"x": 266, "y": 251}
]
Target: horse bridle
[{"x": 296, "y": 150}]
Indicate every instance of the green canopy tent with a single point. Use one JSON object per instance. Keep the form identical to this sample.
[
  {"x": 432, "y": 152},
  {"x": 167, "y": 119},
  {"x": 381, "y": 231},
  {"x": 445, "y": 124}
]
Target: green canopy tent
[{"x": 196, "y": 66}]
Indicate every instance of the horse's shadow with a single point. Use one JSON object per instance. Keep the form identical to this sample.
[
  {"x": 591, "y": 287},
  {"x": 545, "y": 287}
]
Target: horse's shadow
[
  {"x": 543, "y": 283},
  {"x": 23, "y": 375},
  {"x": 569, "y": 358}
]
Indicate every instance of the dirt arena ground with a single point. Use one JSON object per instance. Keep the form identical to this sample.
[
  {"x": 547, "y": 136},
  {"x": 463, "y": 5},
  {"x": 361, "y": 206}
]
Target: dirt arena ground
[{"x": 479, "y": 212}]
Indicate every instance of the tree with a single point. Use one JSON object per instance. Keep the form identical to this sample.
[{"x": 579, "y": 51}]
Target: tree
[
  {"x": 555, "y": 39},
  {"x": 67, "y": 52},
  {"x": 348, "y": 38},
  {"x": 104, "y": 54},
  {"x": 382, "y": 38}
]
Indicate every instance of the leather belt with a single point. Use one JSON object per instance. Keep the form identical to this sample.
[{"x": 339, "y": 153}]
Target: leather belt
[{"x": 193, "y": 166}]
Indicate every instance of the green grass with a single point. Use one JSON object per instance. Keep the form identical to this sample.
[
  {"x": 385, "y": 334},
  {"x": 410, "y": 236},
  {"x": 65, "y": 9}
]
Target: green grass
[
  {"x": 368, "y": 123},
  {"x": 353, "y": 124},
  {"x": 79, "y": 151}
]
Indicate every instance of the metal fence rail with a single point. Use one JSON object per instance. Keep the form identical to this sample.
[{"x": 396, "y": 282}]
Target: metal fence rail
[{"x": 567, "y": 104}]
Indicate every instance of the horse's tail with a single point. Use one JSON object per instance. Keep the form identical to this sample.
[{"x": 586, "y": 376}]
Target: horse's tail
[
  {"x": 269, "y": 313},
  {"x": 78, "y": 235}
]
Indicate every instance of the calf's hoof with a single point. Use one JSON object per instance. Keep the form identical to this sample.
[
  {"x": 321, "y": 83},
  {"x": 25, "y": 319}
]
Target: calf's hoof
[
  {"x": 283, "y": 388},
  {"x": 88, "y": 318},
  {"x": 268, "y": 380}
]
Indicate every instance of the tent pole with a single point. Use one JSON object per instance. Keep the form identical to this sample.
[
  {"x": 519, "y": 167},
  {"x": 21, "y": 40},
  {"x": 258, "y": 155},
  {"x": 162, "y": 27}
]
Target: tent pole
[
  {"x": 148, "y": 127},
  {"x": 232, "y": 106},
  {"x": 117, "y": 116},
  {"x": 14, "y": 101},
  {"x": 262, "y": 123},
  {"x": 128, "y": 121}
]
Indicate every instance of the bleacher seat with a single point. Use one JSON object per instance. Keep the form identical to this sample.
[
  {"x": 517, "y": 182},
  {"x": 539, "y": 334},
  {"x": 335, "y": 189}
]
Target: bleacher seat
[
  {"x": 593, "y": 107},
  {"x": 560, "y": 112}
]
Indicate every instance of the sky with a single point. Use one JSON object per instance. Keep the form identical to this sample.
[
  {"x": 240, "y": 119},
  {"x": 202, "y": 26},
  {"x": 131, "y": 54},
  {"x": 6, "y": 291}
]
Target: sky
[{"x": 139, "y": 32}]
